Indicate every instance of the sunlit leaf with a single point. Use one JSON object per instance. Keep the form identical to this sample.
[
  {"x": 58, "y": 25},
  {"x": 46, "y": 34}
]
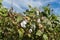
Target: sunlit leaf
[
  {"x": 21, "y": 32},
  {"x": 39, "y": 33},
  {"x": 45, "y": 37}
]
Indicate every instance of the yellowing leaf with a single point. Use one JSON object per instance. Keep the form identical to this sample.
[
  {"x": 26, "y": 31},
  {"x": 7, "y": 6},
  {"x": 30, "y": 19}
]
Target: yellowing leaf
[
  {"x": 29, "y": 35},
  {"x": 21, "y": 32}
]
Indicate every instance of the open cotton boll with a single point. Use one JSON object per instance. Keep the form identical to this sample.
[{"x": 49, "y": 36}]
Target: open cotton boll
[
  {"x": 23, "y": 23},
  {"x": 37, "y": 12},
  {"x": 30, "y": 30},
  {"x": 38, "y": 20},
  {"x": 43, "y": 18}
]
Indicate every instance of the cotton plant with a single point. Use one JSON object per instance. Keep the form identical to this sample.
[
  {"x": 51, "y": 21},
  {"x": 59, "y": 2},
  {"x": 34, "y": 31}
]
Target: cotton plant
[
  {"x": 35, "y": 25},
  {"x": 39, "y": 25}
]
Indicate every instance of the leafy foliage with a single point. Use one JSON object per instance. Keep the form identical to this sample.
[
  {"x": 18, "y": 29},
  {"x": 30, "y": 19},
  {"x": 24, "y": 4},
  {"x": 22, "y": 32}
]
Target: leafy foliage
[{"x": 46, "y": 28}]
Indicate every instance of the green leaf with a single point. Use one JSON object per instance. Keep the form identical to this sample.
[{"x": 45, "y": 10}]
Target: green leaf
[
  {"x": 1, "y": 1},
  {"x": 0, "y": 30},
  {"x": 21, "y": 32},
  {"x": 51, "y": 29},
  {"x": 19, "y": 18},
  {"x": 45, "y": 37},
  {"x": 39, "y": 33}
]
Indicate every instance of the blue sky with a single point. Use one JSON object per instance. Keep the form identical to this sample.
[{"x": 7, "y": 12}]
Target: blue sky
[{"x": 22, "y": 5}]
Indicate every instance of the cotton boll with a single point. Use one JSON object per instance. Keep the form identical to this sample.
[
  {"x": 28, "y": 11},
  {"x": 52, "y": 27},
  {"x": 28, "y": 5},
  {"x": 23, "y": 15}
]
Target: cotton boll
[
  {"x": 37, "y": 12},
  {"x": 30, "y": 30},
  {"x": 40, "y": 26},
  {"x": 42, "y": 18},
  {"x": 38, "y": 20},
  {"x": 23, "y": 23}
]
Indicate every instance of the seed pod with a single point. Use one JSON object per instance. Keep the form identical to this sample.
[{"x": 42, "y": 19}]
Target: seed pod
[{"x": 40, "y": 26}]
